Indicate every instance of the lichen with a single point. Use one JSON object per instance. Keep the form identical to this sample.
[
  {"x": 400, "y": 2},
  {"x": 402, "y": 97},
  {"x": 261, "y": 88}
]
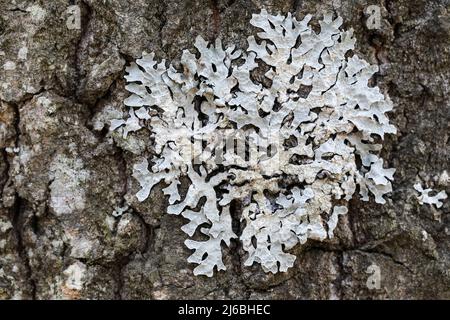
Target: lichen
[
  {"x": 302, "y": 141},
  {"x": 424, "y": 196}
]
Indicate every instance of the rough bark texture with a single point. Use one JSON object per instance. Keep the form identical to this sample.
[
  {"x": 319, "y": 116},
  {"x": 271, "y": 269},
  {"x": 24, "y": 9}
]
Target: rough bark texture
[{"x": 58, "y": 237}]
